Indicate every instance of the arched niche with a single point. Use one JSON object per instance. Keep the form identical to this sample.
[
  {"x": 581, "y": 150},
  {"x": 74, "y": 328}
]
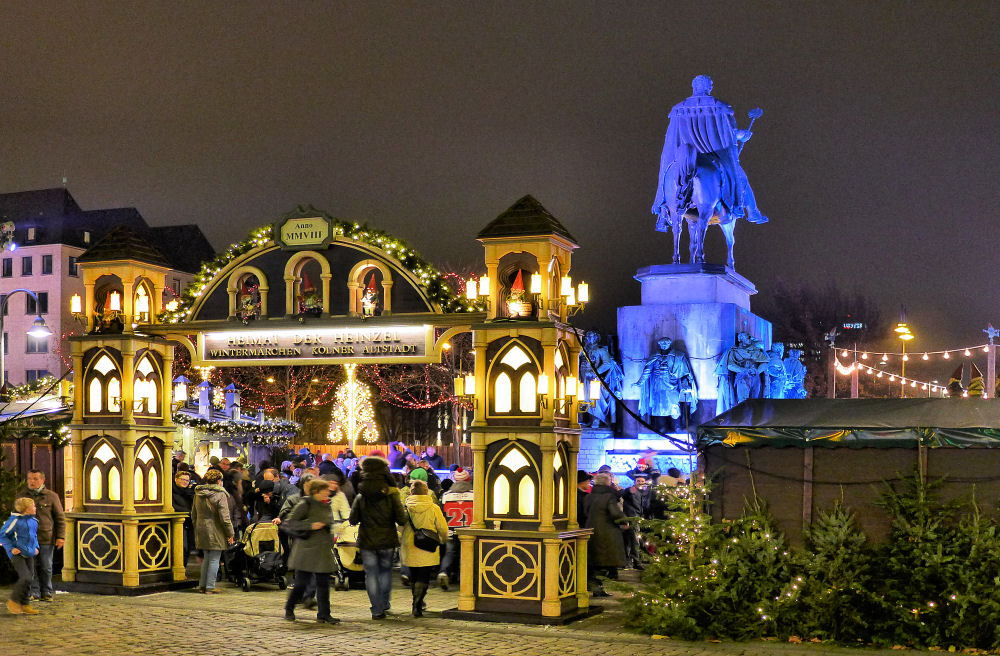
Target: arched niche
[
  {"x": 299, "y": 299},
  {"x": 561, "y": 487},
  {"x": 147, "y": 480},
  {"x": 109, "y": 304},
  {"x": 102, "y": 471},
  {"x": 147, "y": 384},
  {"x": 356, "y": 283},
  {"x": 102, "y": 381},
  {"x": 144, "y": 306},
  {"x": 247, "y": 289},
  {"x": 562, "y": 371},
  {"x": 512, "y": 382},
  {"x": 507, "y": 270},
  {"x": 513, "y": 483}
]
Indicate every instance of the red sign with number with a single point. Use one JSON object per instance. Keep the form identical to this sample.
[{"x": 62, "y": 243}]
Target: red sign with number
[{"x": 458, "y": 509}]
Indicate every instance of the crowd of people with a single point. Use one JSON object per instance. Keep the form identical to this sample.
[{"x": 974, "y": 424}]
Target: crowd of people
[
  {"x": 611, "y": 510},
  {"x": 313, "y": 498},
  {"x": 409, "y": 514}
]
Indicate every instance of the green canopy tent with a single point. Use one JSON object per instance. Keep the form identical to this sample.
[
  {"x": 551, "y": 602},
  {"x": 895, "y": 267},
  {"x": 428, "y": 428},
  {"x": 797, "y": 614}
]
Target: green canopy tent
[{"x": 768, "y": 448}]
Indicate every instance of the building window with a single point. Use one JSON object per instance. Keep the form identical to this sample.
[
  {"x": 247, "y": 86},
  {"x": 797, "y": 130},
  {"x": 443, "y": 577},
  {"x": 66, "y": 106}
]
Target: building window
[
  {"x": 73, "y": 270},
  {"x": 31, "y": 234},
  {"x": 34, "y": 374},
  {"x": 46, "y": 265},
  {"x": 86, "y": 236},
  {"x": 6, "y": 307},
  {"x": 176, "y": 286},
  {"x": 8, "y": 267},
  {"x": 41, "y": 307},
  {"x": 37, "y": 345},
  {"x": 26, "y": 266}
]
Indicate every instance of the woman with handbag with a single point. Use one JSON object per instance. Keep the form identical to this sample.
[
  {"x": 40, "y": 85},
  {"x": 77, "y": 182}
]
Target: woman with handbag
[{"x": 423, "y": 534}]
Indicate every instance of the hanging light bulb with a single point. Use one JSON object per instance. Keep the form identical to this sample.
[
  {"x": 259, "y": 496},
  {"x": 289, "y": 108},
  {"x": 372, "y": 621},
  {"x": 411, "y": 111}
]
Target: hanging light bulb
[
  {"x": 947, "y": 355},
  {"x": 986, "y": 349},
  {"x": 879, "y": 375},
  {"x": 925, "y": 357},
  {"x": 924, "y": 386},
  {"x": 906, "y": 358},
  {"x": 967, "y": 354},
  {"x": 965, "y": 394},
  {"x": 885, "y": 357},
  {"x": 864, "y": 356},
  {"x": 892, "y": 379},
  {"x": 843, "y": 354},
  {"x": 913, "y": 384}
]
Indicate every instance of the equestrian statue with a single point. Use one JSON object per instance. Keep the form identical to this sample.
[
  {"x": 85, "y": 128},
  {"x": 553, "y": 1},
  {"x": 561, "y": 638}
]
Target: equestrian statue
[{"x": 701, "y": 179}]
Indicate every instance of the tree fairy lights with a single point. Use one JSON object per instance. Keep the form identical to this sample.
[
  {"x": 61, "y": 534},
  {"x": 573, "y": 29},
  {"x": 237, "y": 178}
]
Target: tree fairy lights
[{"x": 353, "y": 416}]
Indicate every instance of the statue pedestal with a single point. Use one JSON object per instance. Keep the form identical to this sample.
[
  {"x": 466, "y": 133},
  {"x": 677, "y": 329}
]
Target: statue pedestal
[{"x": 701, "y": 307}]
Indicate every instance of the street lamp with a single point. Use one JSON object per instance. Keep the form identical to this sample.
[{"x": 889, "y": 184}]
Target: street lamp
[
  {"x": 38, "y": 329},
  {"x": 904, "y": 335}
]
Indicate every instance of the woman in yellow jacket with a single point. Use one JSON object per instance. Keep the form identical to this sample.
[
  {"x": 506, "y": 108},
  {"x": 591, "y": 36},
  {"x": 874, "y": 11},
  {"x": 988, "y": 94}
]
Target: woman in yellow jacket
[{"x": 423, "y": 513}]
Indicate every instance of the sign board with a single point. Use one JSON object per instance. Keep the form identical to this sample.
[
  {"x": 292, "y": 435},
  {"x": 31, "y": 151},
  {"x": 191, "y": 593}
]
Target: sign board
[
  {"x": 305, "y": 346},
  {"x": 302, "y": 233}
]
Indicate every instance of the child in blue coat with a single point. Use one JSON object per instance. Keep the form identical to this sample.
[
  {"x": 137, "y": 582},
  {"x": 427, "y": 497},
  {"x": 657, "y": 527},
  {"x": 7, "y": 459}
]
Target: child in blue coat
[{"x": 19, "y": 536}]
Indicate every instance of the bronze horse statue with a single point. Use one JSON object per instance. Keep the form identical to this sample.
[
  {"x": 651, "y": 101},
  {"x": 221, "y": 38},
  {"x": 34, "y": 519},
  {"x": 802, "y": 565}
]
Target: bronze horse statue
[{"x": 701, "y": 203}]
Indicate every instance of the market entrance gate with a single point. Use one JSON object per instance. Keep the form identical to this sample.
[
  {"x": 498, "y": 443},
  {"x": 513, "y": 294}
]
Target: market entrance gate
[{"x": 308, "y": 290}]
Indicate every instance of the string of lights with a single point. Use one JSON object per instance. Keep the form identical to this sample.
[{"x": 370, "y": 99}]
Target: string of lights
[
  {"x": 879, "y": 373},
  {"x": 884, "y": 356}
]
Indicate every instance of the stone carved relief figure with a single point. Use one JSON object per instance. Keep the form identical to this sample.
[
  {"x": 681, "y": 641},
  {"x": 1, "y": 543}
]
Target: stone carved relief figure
[
  {"x": 795, "y": 375},
  {"x": 700, "y": 170},
  {"x": 775, "y": 377},
  {"x": 739, "y": 372},
  {"x": 666, "y": 382},
  {"x": 604, "y": 409}
]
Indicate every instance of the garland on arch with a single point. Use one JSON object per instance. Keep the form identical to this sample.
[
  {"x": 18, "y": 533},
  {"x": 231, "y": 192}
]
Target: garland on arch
[
  {"x": 269, "y": 432},
  {"x": 433, "y": 282}
]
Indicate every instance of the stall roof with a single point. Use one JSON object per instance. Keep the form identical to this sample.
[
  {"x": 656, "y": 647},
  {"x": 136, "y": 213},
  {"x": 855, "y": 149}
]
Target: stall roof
[{"x": 856, "y": 423}]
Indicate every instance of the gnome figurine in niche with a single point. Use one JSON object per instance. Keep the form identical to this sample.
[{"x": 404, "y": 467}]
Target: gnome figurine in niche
[
  {"x": 370, "y": 299},
  {"x": 310, "y": 303},
  {"x": 517, "y": 306}
]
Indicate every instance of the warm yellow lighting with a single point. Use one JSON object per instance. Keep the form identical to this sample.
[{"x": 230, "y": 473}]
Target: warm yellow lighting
[
  {"x": 470, "y": 289},
  {"x": 501, "y": 495},
  {"x": 484, "y": 286},
  {"x": 459, "y": 385},
  {"x": 925, "y": 357},
  {"x": 526, "y": 496},
  {"x": 571, "y": 297},
  {"x": 270, "y": 379},
  {"x": 906, "y": 358},
  {"x": 115, "y": 302},
  {"x": 566, "y": 286},
  {"x": 902, "y": 328},
  {"x": 986, "y": 349},
  {"x": 967, "y": 354},
  {"x": 570, "y": 385},
  {"x": 446, "y": 346},
  {"x": 581, "y": 391},
  {"x": 583, "y": 292},
  {"x": 76, "y": 304},
  {"x": 913, "y": 384},
  {"x": 502, "y": 394},
  {"x": 885, "y": 357},
  {"x": 864, "y": 356},
  {"x": 536, "y": 283},
  {"x": 173, "y": 305},
  {"x": 526, "y": 393},
  {"x": 595, "y": 389},
  {"x": 543, "y": 384},
  {"x": 470, "y": 384},
  {"x": 141, "y": 301},
  {"x": 947, "y": 355},
  {"x": 965, "y": 393},
  {"x": 924, "y": 386},
  {"x": 180, "y": 392},
  {"x": 892, "y": 379},
  {"x": 315, "y": 380},
  {"x": 843, "y": 354}
]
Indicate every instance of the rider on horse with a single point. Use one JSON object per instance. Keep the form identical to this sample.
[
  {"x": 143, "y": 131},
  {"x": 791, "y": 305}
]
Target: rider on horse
[{"x": 703, "y": 125}]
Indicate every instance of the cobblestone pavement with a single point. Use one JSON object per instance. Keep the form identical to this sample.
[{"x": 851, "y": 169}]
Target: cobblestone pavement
[{"x": 251, "y": 623}]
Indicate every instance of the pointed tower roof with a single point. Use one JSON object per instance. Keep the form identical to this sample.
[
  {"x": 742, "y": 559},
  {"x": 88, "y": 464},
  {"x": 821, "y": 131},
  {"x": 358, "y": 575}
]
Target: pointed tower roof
[
  {"x": 123, "y": 243},
  {"x": 525, "y": 218}
]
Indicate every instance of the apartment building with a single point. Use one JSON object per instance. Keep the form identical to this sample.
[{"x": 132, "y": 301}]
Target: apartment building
[{"x": 51, "y": 232}]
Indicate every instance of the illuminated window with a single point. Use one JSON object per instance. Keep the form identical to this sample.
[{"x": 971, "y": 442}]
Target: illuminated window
[
  {"x": 146, "y": 385},
  {"x": 96, "y": 486},
  {"x": 154, "y": 485},
  {"x": 95, "y": 396},
  {"x": 557, "y": 461},
  {"x": 526, "y": 496},
  {"x": 105, "y": 454},
  {"x": 115, "y": 395},
  {"x": 138, "y": 484},
  {"x": 104, "y": 388},
  {"x": 501, "y": 495},
  {"x": 515, "y": 358},
  {"x": 114, "y": 484},
  {"x": 527, "y": 393},
  {"x": 561, "y": 495},
  {"x": 103, "y": 474},
  {"x": 502, "y": 393},
  {"x": 515, "y": 460}
]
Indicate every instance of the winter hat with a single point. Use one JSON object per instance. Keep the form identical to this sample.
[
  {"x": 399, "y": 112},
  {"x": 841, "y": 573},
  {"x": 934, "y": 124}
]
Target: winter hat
[
  {"x": 418, "y": 474},
  {"x": 265, "y": 486},
  {"x": 376, "y": 454},
  {"x": 460, "y": 475},
  {"x": 582, "y": 476}
]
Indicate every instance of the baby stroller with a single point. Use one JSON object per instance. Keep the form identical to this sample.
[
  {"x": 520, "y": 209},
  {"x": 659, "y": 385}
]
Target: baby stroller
[
  {"x": 348, "y": 557},
  {"x": 256, "y": 558}
]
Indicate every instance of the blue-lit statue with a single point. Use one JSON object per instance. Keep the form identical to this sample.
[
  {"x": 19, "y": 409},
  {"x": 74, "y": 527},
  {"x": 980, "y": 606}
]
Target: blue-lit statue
[
  {"x": 775, "y": 376},
  {"x": 795, "y": 372},
  {"x": 739, "y": 372},
  {"x": 666, "y": 382},
  {"x": 604, "y": 408},
  {"x": 700, "y": 174}
]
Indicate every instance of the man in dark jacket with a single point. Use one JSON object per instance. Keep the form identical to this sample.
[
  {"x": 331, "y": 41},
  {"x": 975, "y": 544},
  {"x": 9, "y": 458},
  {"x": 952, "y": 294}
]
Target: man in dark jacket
[
  {"x": 51, "y": 533},
  {"x": 635, "y": 503},
  {"x": 583, "y": 479},
  {"x": 606, "y": 548},
  {"x": 378, "y": 510},
  {"x": 183, "y": 496},
  {"x": 434, "y": 458}
]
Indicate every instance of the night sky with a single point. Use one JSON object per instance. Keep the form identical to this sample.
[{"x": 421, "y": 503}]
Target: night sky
[{"x": 876, "y": 158}]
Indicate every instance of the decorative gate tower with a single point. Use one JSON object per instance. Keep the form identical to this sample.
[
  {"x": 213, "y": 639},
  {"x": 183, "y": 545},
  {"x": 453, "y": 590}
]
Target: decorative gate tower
[
  {"x": 524, "y": 556},
  {"x": 122, "y": 534}
]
